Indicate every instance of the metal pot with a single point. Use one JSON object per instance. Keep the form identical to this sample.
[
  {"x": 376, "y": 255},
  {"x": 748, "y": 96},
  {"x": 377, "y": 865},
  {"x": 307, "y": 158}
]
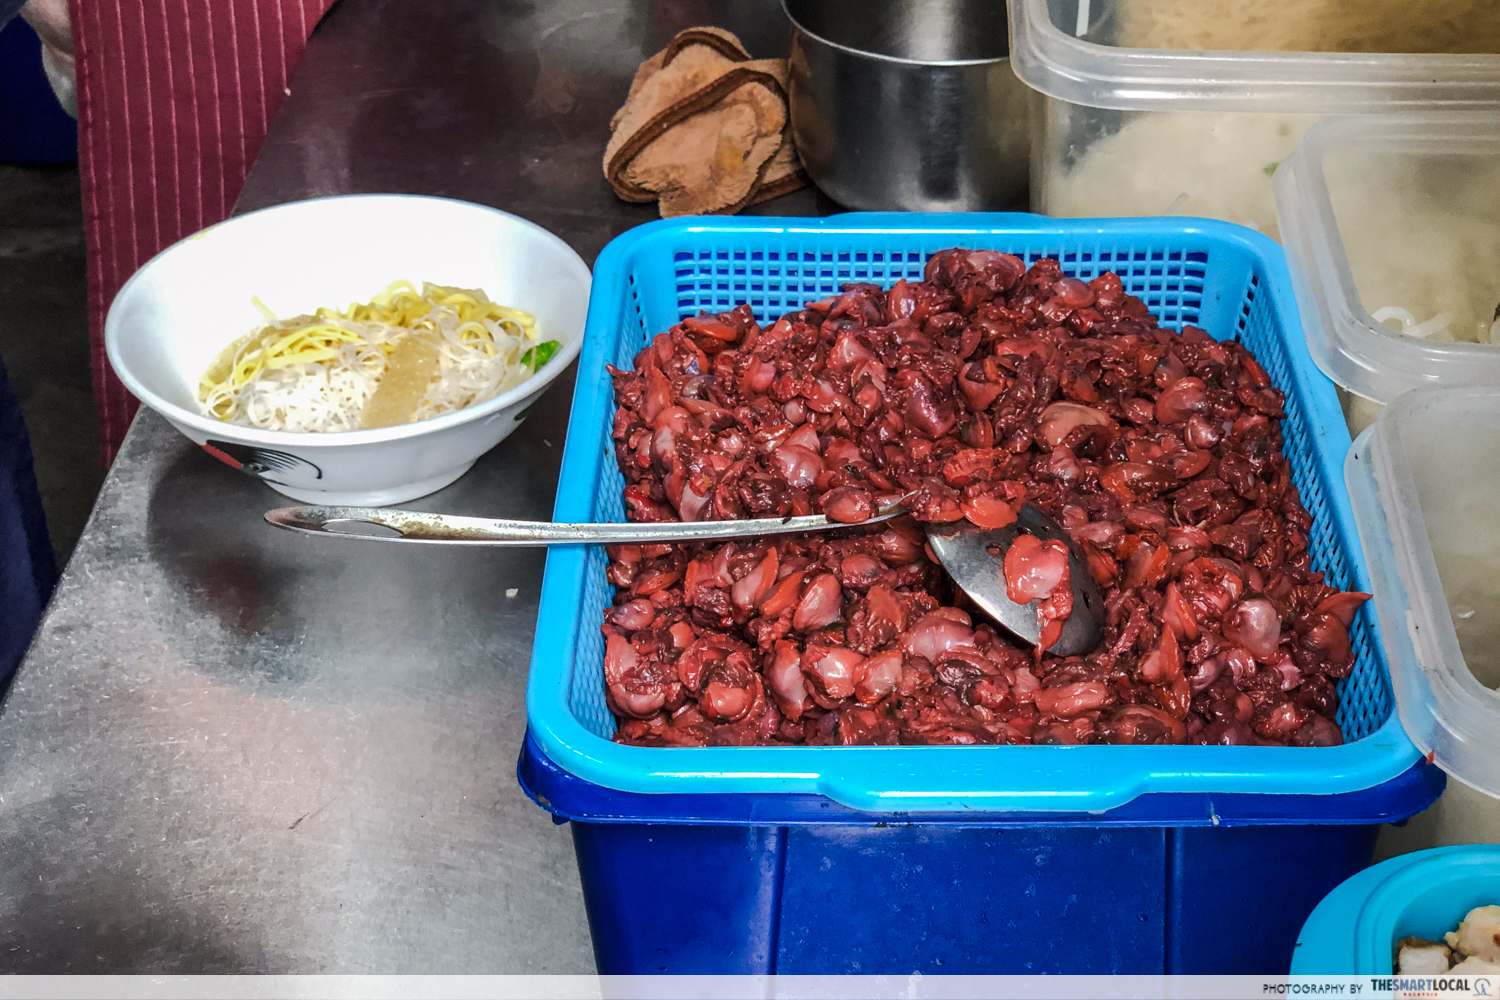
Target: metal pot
[{"x": 909, "y": 104}]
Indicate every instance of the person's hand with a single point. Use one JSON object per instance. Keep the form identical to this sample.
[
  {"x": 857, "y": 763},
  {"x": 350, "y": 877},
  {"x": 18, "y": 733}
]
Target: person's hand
[{"x": 49, "y": 18}]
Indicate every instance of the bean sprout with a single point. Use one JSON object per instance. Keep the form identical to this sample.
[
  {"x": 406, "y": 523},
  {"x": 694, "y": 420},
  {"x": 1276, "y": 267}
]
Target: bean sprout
[{"x": 1425, "y": 330}]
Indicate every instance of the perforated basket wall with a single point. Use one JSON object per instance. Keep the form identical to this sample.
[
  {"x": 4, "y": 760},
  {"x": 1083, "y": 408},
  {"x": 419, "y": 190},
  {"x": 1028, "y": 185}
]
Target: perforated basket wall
[{"x": 1224, "y": 279}]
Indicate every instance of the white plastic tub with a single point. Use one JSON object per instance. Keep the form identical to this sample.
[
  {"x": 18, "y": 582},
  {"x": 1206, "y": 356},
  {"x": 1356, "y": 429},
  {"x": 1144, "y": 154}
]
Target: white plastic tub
[
  {"x": 1127, "y": 130},
  {"x": 1423, "y": 483},
  {"x": 1380, "y": 211}
]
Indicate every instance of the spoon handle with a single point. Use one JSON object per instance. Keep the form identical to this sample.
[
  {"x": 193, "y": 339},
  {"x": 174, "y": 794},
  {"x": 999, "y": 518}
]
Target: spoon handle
[{"x": 388, "y": 525}]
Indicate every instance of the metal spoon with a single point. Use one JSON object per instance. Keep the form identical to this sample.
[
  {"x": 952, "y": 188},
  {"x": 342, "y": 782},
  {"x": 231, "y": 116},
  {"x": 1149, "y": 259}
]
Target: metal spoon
[
  {"x": 971, "y": 555},
  {"x": 388, "y": 525}
]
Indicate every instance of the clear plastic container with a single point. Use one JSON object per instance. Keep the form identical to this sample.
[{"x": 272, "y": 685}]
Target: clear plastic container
[
  {"x": 1146, "y": 111},
  {"x": 1423, "y": 483},
  {"x": 1396, "y": 214}
]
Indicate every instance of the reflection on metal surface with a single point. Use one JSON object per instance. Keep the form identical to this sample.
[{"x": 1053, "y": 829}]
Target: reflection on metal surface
[
  {"x": 230, "y": 750},
  {"x": 348, "y": 526},
  {"x": 909, "y": 104}
]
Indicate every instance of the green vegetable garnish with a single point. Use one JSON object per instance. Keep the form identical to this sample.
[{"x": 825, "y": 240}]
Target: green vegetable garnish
[{"x": 539, "y": 355}]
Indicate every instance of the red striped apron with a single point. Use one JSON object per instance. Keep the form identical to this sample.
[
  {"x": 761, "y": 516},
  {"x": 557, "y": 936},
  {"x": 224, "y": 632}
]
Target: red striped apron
[{"x": 174, "y": 97}]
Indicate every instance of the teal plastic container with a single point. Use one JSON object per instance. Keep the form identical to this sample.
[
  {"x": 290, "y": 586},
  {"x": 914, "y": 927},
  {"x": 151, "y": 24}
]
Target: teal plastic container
[{"x": 1354, "y": 930}]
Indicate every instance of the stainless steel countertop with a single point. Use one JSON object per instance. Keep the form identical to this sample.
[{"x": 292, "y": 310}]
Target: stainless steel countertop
[{"x": 234, "y": 749}]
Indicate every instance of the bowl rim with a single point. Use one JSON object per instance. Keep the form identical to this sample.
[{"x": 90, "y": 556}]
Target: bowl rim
[{"x": 319, "y": 439}]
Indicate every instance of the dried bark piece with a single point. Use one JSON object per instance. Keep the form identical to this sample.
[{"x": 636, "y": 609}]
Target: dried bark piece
[
  {"x": 783, "y": 174},
  {"x": 715, "y": 39},
  {"x": 702, "y": 128},
  {"x": 711, "y": 161}
]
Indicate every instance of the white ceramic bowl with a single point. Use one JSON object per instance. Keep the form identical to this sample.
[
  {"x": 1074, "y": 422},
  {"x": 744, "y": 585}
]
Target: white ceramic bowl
[{"x": 194, "y": 298}]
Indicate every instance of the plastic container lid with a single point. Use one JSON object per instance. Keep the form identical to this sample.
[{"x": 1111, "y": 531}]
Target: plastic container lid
[
  {"x": 1061, "y": 48},
  {"x": 1406, "y": 211},
  {"x": 1422, "y": 483},
  {"x": 1355, "y": 928}
]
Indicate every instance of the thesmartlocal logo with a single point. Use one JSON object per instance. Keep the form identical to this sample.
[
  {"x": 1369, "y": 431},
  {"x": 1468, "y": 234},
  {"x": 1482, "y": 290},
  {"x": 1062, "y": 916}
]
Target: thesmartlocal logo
[{"x": 1437, "y": 986}]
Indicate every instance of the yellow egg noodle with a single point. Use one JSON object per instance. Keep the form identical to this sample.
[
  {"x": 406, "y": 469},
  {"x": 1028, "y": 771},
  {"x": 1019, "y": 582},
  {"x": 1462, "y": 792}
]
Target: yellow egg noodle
[{"x": 317, "y": 373}]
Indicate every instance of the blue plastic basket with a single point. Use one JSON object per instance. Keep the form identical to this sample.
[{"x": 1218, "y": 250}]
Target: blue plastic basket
[
  {"x": 1426, "y": 894},
  {"x": 1226, "y": 279}
]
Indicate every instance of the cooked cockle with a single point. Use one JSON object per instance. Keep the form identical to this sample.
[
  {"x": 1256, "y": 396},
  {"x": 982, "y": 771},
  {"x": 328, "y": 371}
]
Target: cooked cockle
[
  {"x": 1418, "y": 956},
  {"x": 982, "y": 387},
  {"x": 1479, "y": 934}
]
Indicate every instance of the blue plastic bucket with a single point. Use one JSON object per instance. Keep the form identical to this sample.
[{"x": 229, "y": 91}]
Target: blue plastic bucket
[
  {"x": 1170, "y": 883},
  {"x": 1226, "y": 279},
  {"x": 1354, "y": 930}
]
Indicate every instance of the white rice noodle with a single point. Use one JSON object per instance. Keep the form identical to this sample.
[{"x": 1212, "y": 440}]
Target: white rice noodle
[{"x": 1436, "y": 328}]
